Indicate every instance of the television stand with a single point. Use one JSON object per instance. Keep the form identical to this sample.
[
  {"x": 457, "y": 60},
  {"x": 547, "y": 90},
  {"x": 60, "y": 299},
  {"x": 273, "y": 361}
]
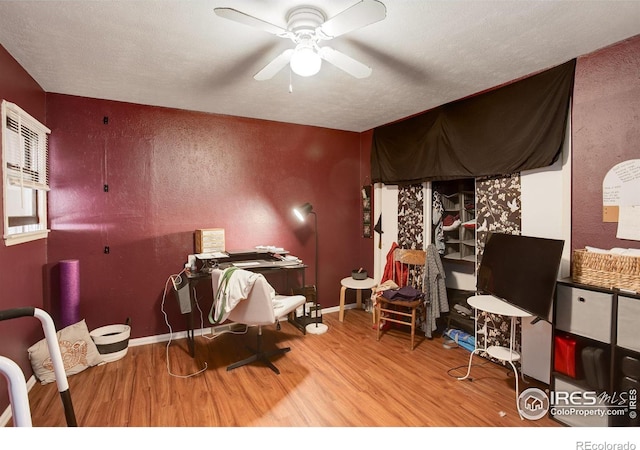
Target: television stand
[{"x": 493, "y": 305}]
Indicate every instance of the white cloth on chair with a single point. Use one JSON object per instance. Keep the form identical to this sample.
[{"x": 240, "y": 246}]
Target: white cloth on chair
[
  {"x": 260, "y": 307},
  {"x": 230, "y": 287}
]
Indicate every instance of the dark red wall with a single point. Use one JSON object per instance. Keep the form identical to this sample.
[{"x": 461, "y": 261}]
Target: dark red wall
[
  {"x": 366, "y": 249},
  {"x": 21, "y": 266},
  {"x": 606, "y": 131},
  {"x": 171, "y": 172}
]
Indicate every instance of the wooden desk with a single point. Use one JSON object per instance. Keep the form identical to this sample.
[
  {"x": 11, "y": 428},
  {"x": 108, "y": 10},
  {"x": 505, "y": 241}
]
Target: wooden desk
[{"x": 268, "y": 268}]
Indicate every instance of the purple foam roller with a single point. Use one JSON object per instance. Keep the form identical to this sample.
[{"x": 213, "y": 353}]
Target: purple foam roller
[{"x": 69, "y": 292}]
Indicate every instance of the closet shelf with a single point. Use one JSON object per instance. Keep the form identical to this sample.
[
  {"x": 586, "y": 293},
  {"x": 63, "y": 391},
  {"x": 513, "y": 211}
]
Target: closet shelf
[{"x": 458, "y": 201}]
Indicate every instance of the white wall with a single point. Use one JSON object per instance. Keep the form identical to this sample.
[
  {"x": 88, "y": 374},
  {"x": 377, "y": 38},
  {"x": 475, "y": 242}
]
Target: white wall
[
  {"x": 546, "y": 212},
  {"x": 385, "y": 202}
]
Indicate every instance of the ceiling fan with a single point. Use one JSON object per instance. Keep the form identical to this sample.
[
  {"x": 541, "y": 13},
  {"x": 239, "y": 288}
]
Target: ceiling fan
[{"x": 307, "y": 26}]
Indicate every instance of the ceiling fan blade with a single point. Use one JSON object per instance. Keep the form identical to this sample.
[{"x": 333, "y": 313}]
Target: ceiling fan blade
[
  {"x": 344, "y": 62},
  {"x": 240, "y": 17},
  {"x": 357, "y": 16},
  {"x": 274, "y": 66}
]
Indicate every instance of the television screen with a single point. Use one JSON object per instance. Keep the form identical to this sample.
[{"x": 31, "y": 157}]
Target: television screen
[{"x": 521, "y": 270}]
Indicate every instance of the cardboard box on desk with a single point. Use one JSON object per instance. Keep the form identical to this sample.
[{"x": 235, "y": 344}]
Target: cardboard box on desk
[{"x": 209, "y": 240}]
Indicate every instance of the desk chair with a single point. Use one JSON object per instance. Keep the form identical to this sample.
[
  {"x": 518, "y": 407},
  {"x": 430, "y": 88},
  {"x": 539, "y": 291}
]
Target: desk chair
[
  {"x": 258, "y": 309},
  {"x": 410, "y": 272}
]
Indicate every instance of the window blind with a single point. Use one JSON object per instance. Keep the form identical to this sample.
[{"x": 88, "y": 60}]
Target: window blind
[{"x": 26, "y": 147}]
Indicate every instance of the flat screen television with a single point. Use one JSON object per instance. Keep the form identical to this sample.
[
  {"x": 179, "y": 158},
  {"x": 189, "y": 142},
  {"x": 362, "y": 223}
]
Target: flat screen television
[{"x": 522, "y": 271}]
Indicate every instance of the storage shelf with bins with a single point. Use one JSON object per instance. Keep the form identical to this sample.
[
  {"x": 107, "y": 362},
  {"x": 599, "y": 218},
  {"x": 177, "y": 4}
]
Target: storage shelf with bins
[
  {"x": 627, "y": 352},
  {"x": 596, "y": 327},
  {"x": 458, "y": 219}
]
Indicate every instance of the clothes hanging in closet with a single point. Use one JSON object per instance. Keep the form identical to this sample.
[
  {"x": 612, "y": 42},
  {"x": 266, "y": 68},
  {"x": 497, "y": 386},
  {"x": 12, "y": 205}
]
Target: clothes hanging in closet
[
  {"x": 436, "y": 290},
  {"x": 437, "y": 217},
  {"x": 388, "y": 273}
]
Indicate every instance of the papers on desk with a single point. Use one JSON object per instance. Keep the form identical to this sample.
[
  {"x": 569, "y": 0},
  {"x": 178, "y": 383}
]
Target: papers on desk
[
  {"x": 214, "y": 255},
  {"x": 246, "y": 263},
  {"x": 285, "y": 263},
  {"x": 263, "y": 264},
  {"x": 271, "y": 249}
]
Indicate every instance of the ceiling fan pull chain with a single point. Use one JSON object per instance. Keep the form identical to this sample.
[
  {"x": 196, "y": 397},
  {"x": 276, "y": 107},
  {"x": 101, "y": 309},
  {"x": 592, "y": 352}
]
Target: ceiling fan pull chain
[{"x": 290, "y": 82}]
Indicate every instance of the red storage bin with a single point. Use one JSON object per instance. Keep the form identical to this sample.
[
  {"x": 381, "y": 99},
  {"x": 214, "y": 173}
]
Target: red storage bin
[{"x": 564, "y": 357}]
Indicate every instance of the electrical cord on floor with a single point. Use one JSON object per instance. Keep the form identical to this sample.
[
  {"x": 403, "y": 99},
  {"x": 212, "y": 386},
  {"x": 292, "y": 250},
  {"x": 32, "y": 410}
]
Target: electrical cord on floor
[
  {"x": 175, "y": 280},
  {"x": 466, "y": 367},
  {"x": 213, "y": 335}
]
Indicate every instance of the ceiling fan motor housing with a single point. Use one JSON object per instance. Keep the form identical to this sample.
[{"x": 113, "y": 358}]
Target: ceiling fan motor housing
[{"x": 303, "y": 21}]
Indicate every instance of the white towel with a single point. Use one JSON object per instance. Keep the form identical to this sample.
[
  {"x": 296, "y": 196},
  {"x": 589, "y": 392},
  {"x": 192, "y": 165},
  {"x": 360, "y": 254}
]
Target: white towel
[
  {"x": 229, "y": 294},
  {"x": 615, "y": 251}
]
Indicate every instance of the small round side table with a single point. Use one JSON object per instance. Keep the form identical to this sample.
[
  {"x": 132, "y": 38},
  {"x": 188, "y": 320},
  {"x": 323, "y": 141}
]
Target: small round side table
[{"x": 358, "y": 285}]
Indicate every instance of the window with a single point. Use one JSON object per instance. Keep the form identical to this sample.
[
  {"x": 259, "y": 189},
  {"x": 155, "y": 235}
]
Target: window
[{"x": 25, "y": 175}]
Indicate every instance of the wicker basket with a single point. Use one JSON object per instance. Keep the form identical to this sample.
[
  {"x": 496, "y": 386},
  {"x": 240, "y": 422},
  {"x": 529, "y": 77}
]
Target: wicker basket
[{"x": 606, "y": 270}]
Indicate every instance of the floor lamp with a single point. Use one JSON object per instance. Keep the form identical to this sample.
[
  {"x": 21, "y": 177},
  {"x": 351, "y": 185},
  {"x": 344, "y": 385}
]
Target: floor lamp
[{"x": 301, "y": 212}]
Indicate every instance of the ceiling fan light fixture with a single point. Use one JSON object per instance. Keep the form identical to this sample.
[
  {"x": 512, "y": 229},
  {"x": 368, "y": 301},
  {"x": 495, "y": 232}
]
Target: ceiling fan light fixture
[
  {"x": 306, "y": 27},
  {"x": 305, "y": 61}
]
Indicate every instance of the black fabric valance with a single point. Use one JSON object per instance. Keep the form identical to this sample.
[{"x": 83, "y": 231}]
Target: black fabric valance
[{"x": 516, "y": 127}]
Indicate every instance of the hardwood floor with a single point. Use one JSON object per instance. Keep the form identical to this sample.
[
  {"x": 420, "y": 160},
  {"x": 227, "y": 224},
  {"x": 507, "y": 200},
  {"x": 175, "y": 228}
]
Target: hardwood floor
[{"x": 343, "y": 378}]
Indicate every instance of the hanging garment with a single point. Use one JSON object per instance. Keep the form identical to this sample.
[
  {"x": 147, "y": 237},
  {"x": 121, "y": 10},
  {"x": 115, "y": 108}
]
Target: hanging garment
[
  {"x": 378, "y": 229},
  {"x": 437, "y": 220},
  {"x": 434, "y": 282},
  {"x": 388, "y": 273}
]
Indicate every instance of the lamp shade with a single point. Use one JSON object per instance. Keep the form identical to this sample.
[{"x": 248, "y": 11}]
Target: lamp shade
[
  {"x": 303, "y": 211},
  {"x": 305, "y": 61}
]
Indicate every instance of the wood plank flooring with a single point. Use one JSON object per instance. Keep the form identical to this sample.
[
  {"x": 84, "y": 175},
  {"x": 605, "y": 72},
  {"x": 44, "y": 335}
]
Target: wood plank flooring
[{"x": 343, "y": 378}]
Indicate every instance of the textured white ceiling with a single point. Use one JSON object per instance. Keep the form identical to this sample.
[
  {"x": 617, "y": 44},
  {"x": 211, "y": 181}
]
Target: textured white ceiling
[{"x": 180, "y": 54}]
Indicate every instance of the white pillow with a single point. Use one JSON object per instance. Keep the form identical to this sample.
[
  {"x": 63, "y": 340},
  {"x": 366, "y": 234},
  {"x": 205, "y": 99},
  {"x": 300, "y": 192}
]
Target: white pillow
[{"x": 77, "y": 348}]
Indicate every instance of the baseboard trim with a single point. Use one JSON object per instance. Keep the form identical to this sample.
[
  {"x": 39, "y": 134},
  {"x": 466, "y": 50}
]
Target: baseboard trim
[
  {"x": 183, "y": 334},
  {"x": 208, "y": 330}
]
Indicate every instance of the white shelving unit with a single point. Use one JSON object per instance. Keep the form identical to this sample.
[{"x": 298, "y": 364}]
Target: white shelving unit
[{"x": 458, "y": 201}]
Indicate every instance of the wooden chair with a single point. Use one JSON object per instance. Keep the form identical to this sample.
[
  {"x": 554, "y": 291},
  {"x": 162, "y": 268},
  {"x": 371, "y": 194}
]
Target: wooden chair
[{"x": 408, "y": 270}]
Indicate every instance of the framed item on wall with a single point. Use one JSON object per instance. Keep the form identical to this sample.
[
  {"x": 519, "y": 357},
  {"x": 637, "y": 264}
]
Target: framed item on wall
[{"x": 366, "y": 212}]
